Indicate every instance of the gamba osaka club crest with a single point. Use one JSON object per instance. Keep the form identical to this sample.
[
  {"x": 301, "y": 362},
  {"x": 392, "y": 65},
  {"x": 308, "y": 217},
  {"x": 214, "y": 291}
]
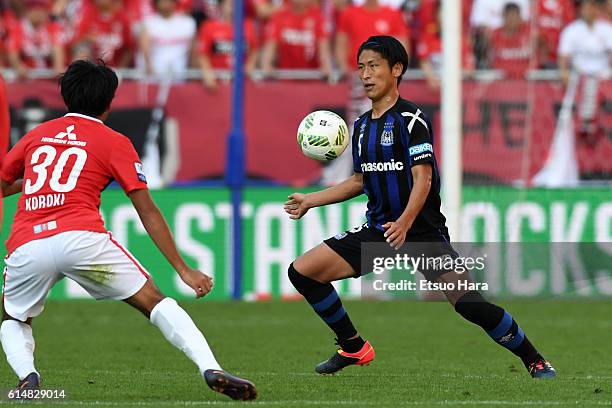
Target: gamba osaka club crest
[{"x": 386, "y": 139}]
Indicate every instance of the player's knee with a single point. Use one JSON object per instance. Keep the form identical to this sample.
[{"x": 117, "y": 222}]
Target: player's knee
[{"x": 300, "y": 282}]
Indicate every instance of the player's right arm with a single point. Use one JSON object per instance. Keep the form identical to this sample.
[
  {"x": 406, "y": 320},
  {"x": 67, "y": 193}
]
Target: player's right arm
[
  {"x": 158, "y": 230},
  {"x": 13, "y": 167},
  {"x": 298, "y": 204}
]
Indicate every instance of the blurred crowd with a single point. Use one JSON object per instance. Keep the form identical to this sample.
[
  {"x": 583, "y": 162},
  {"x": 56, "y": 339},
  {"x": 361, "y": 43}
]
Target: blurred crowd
[{"x": 169, "y": 36}]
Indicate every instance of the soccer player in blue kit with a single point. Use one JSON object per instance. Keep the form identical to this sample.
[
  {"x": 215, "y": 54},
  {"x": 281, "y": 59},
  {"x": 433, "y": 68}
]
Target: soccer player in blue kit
[{"x": 395, "y": 166}]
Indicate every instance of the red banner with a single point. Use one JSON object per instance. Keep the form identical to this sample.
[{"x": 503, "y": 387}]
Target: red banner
[{"x": 508, "y": 125}]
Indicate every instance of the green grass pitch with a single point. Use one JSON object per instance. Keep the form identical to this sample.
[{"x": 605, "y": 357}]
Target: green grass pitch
[{"x": 105, "y": 354}]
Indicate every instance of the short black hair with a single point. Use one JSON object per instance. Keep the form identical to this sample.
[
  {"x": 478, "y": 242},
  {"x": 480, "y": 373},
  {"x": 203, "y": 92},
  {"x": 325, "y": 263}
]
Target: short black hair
[
  {"x": 389, "y": 48},
  {"x": 511, "y": 6},
  {"x": 88, "y": 88}
]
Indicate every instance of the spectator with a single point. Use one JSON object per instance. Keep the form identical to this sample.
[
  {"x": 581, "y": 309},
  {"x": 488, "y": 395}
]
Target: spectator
[
  {"x": 358, "y": 23},
  {"x": 166, "y": 40},
  {"x": 552, "y": 16},
  {"x": 104, "y": 33},
  {"x": 34, "y": 41},
  {"x": 487, "y": 16},
  {"x": 511, "y": 50},
  {"x": 68, "y": 14},
  {"x": 297, "y": 37},
  {"x": 429, "y": 51},
  {"x": 586, "y": 43},
  {"x": 216, "y": 44}
]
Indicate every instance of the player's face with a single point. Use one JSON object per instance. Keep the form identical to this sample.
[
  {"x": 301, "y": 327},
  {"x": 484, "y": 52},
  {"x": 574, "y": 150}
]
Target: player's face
[{"x": 377, "y": 77}]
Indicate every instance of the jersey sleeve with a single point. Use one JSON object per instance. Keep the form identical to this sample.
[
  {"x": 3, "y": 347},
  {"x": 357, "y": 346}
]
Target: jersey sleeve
[
  {"x": 204, "y": 39},
  {"x": 357, "y": 139},
  {"x": 125, "y": 166},
  {"x": 420, "y": 148},
  {"x": 13, "y": 164}
]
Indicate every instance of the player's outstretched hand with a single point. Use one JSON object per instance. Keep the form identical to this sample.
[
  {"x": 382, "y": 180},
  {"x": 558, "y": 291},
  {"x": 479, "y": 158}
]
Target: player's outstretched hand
[
  {"x": 296, "y": 206},
  {"x": 395, "y": 232},
  {"x": 200, "y": 282}
]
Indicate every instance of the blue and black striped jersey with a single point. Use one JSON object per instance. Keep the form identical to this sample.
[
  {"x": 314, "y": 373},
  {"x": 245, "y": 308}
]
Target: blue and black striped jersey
[{"x": 385, "y": 150}]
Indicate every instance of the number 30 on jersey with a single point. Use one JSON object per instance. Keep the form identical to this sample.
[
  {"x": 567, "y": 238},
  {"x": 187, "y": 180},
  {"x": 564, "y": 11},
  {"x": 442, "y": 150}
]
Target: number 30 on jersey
[{"x": 43, "y": 158}]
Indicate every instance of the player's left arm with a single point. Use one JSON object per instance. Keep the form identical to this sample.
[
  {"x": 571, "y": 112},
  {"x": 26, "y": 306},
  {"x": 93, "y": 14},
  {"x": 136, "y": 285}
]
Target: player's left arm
[
  {"x": 158, "y": 229},
  {"x": 396, "y": 231},
  {"x": 9, "y": 189},
  {"x": 124, "y": 166}
]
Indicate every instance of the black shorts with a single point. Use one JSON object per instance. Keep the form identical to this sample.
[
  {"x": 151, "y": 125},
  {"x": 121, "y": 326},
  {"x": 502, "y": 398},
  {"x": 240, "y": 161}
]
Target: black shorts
[{"x": 432, "y": 245}]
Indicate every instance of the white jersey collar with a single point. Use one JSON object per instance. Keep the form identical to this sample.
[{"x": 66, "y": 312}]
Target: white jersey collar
[{"x": 79, "y": 115}]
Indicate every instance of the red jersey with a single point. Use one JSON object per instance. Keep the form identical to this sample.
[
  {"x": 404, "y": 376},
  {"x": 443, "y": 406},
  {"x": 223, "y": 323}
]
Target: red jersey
[
  {"x": 34, "y": 44},
  {"x": 552, "y": 17},
  {"x": 359, "y": 23},
  {"x": 110, "y": 34},
  {"x": 65, "y": 164},
  {"x": 216, "y": 40},
  {"x": 512, "y": 52},
  {"x": 297, "y": 37}
]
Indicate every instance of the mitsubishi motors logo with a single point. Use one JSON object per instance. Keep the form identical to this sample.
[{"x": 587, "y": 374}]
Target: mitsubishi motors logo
[
  {"x": 61, "y": 138},
  {"x": 68, "y": 132}
]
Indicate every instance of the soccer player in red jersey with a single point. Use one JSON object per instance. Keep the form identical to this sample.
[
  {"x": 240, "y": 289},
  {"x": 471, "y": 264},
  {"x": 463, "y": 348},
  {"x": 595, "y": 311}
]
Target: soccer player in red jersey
[
  {"x": 35, "y": 41},
  {"x": 57, "y": 231},
  {"x": 511, "y": 50},
  {"x": 216, "y": 44},
  {"x": 104, "y": 31},
  {"x": 297, "y": 37}
]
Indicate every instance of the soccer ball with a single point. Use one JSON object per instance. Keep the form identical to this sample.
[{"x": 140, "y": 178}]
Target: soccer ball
[{"x": 322, "y": 135}]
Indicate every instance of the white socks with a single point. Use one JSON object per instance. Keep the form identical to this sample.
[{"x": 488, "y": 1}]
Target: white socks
[
  {"x": 18, "y": 345},
  {"x": 179, "y": 329}
]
